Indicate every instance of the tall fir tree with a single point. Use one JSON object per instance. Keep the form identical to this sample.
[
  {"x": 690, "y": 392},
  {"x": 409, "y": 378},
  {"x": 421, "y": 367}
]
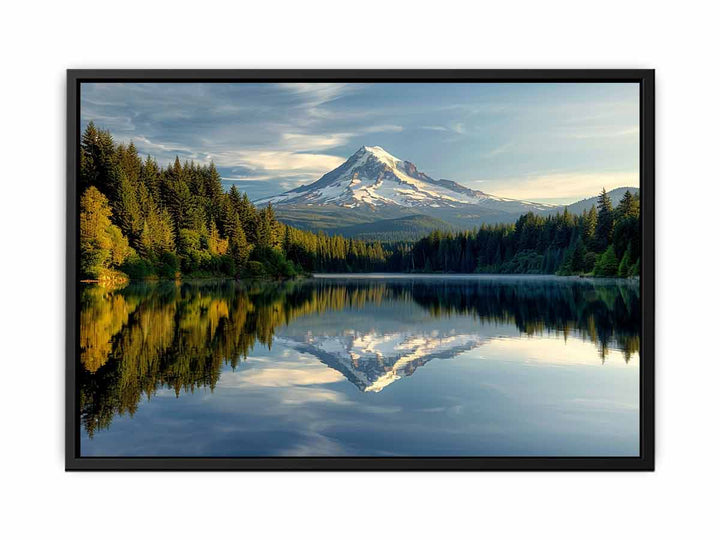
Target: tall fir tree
[
  {"x": 265, "y": 228},
  {"x": 629, "y": 206},
  {"x": 239, "y": 248},
  {"x": 605, "y": 221},
  {"x": 98, "y": 161},
  {"x": 589, "y": 224},
  {"x": 127, "y": 209}
]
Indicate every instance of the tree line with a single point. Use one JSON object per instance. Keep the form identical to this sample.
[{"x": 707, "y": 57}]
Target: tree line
[
  {"x": 141, "y": 220},
  {"x": 603, "y": 241}
]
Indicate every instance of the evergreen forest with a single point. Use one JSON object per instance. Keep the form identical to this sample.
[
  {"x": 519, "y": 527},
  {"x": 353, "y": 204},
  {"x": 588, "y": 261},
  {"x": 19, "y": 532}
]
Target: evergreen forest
[{"x": 141, "y": 220}]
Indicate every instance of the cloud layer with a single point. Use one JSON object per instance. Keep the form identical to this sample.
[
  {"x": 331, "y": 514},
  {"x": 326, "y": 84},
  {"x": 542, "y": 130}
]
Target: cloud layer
[{"x": 520, "y": 140}]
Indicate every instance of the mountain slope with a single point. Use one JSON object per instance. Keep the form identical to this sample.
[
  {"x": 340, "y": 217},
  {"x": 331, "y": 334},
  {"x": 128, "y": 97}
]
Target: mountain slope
[
  {"x": 616, "y": 196},
  {"x": 374, "y": 179},
  {"x": 376, "y": 196}
]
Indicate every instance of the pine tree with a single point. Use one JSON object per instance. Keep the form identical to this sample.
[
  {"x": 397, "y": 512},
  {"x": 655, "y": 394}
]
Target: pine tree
[
  {"x": 607, "y": 264},
  {"x": 265, "y": 228},
  {"x": 286, "y": 240},
  {"x": 98, "y": 161},
  {"x": 88, "y": 167},
  {"x": 579, "y": 258},
  {"x": 130, "y": 162},
  {"x": 127, "y": 209},
  {"x": 163, "y": 233},
  {"x": 145, "y": 242},
  {"x": 239, "y": 248},
  {"x": 235, "y": 198},
  {"x": 150, "y": 178},
  {"x": 589, "y": 222},
  {"x": 231, "y": 221},
  {"x": 625, "y": 264},
  {"x": 246, "y": 210},
  {"x": 629, "y": 206},
  {"x": 605, "y": 222},
  {"x": 213, "y": 192},
  {"x": 177, "y": 197}
]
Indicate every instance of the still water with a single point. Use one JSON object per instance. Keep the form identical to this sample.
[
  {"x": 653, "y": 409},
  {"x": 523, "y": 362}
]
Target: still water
[{"x": 362, "y": 365}]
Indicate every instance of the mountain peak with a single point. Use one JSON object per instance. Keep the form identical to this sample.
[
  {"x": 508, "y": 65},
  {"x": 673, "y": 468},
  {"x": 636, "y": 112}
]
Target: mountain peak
[
  {"x": 380, "y": 154},
  {"x": 372, "y": 149},
  {"x": 374, "y": 178}
]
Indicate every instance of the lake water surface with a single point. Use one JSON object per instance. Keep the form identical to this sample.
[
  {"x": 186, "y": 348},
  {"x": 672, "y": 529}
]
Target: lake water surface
[{"x": 362, "y": 366}]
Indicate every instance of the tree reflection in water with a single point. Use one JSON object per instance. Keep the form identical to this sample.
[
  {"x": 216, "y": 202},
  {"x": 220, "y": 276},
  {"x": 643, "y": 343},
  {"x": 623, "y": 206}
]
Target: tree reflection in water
[{"x": 146, "y": 336}]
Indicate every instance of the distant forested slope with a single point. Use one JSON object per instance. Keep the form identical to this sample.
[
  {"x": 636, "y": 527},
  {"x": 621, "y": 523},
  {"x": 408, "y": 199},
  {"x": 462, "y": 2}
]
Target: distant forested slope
[
  {"x": 616, "y": 195},
  {"x": 394, "y": 230}
]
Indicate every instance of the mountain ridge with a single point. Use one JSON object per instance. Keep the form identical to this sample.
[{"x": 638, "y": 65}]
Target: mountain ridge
[
  {"x": 615, "y": 195},
  {"x": 374, "y": 177},
  {"x": 374, "y": 195}
]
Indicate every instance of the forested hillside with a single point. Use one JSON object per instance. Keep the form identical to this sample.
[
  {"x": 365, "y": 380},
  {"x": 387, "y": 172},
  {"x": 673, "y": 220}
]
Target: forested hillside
[
  {"x": 616, "y": 195},
  {"x": 396, "y": 230},
  {"x": 602, "y": 242},
  {"x": 140, "y": 220}
]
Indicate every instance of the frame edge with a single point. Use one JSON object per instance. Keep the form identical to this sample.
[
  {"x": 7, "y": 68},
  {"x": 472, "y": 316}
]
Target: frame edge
[{"x": 644, "y": 462}]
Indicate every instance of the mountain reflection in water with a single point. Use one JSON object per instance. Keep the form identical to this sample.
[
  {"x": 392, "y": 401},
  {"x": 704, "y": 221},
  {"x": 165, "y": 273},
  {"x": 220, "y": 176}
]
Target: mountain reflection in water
[{"x": 147, "y": 336}]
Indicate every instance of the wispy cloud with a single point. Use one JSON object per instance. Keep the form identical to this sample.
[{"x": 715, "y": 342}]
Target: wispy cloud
[
  {"x": 269, "y": 136},
  {"x": 502, "y": 149},
  {"x": 458, "y": 128},
  {"x": 387, "y": 128},
  {"x": 600, "y": 132},
  {"x": 154, "y": 147},
  {"x": 308, "y": 141},
  {"x": 275, "y": 163}
]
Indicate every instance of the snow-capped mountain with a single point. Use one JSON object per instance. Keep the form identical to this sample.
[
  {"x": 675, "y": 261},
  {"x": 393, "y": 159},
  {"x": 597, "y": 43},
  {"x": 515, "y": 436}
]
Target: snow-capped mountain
[
  {"x": 374, "y": 360},
  {"x": 374, "y": 179}
]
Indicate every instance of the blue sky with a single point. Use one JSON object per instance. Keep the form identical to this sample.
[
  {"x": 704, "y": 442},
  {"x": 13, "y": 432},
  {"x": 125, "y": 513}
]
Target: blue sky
[{"x": 541, "y": 142}]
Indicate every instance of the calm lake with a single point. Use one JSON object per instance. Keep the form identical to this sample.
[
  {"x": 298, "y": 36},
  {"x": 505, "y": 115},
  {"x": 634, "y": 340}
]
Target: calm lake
[{"x": 362, "y": 365}]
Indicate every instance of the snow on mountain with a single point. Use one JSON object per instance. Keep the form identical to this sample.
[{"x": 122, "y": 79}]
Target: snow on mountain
[
  {"x": 374, "y": 178},
  {"x": 373, "y": 360}
]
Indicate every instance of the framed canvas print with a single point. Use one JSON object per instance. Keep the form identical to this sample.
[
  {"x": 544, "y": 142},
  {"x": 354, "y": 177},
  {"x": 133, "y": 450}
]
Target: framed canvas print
[{"x": 303, "y": 269}]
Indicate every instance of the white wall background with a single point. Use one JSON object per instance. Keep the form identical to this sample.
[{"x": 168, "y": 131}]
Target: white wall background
[{"x": 40, "y": 40}]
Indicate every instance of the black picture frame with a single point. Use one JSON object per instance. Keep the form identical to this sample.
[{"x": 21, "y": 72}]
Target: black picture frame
[{"x": 644, "y": 462}]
